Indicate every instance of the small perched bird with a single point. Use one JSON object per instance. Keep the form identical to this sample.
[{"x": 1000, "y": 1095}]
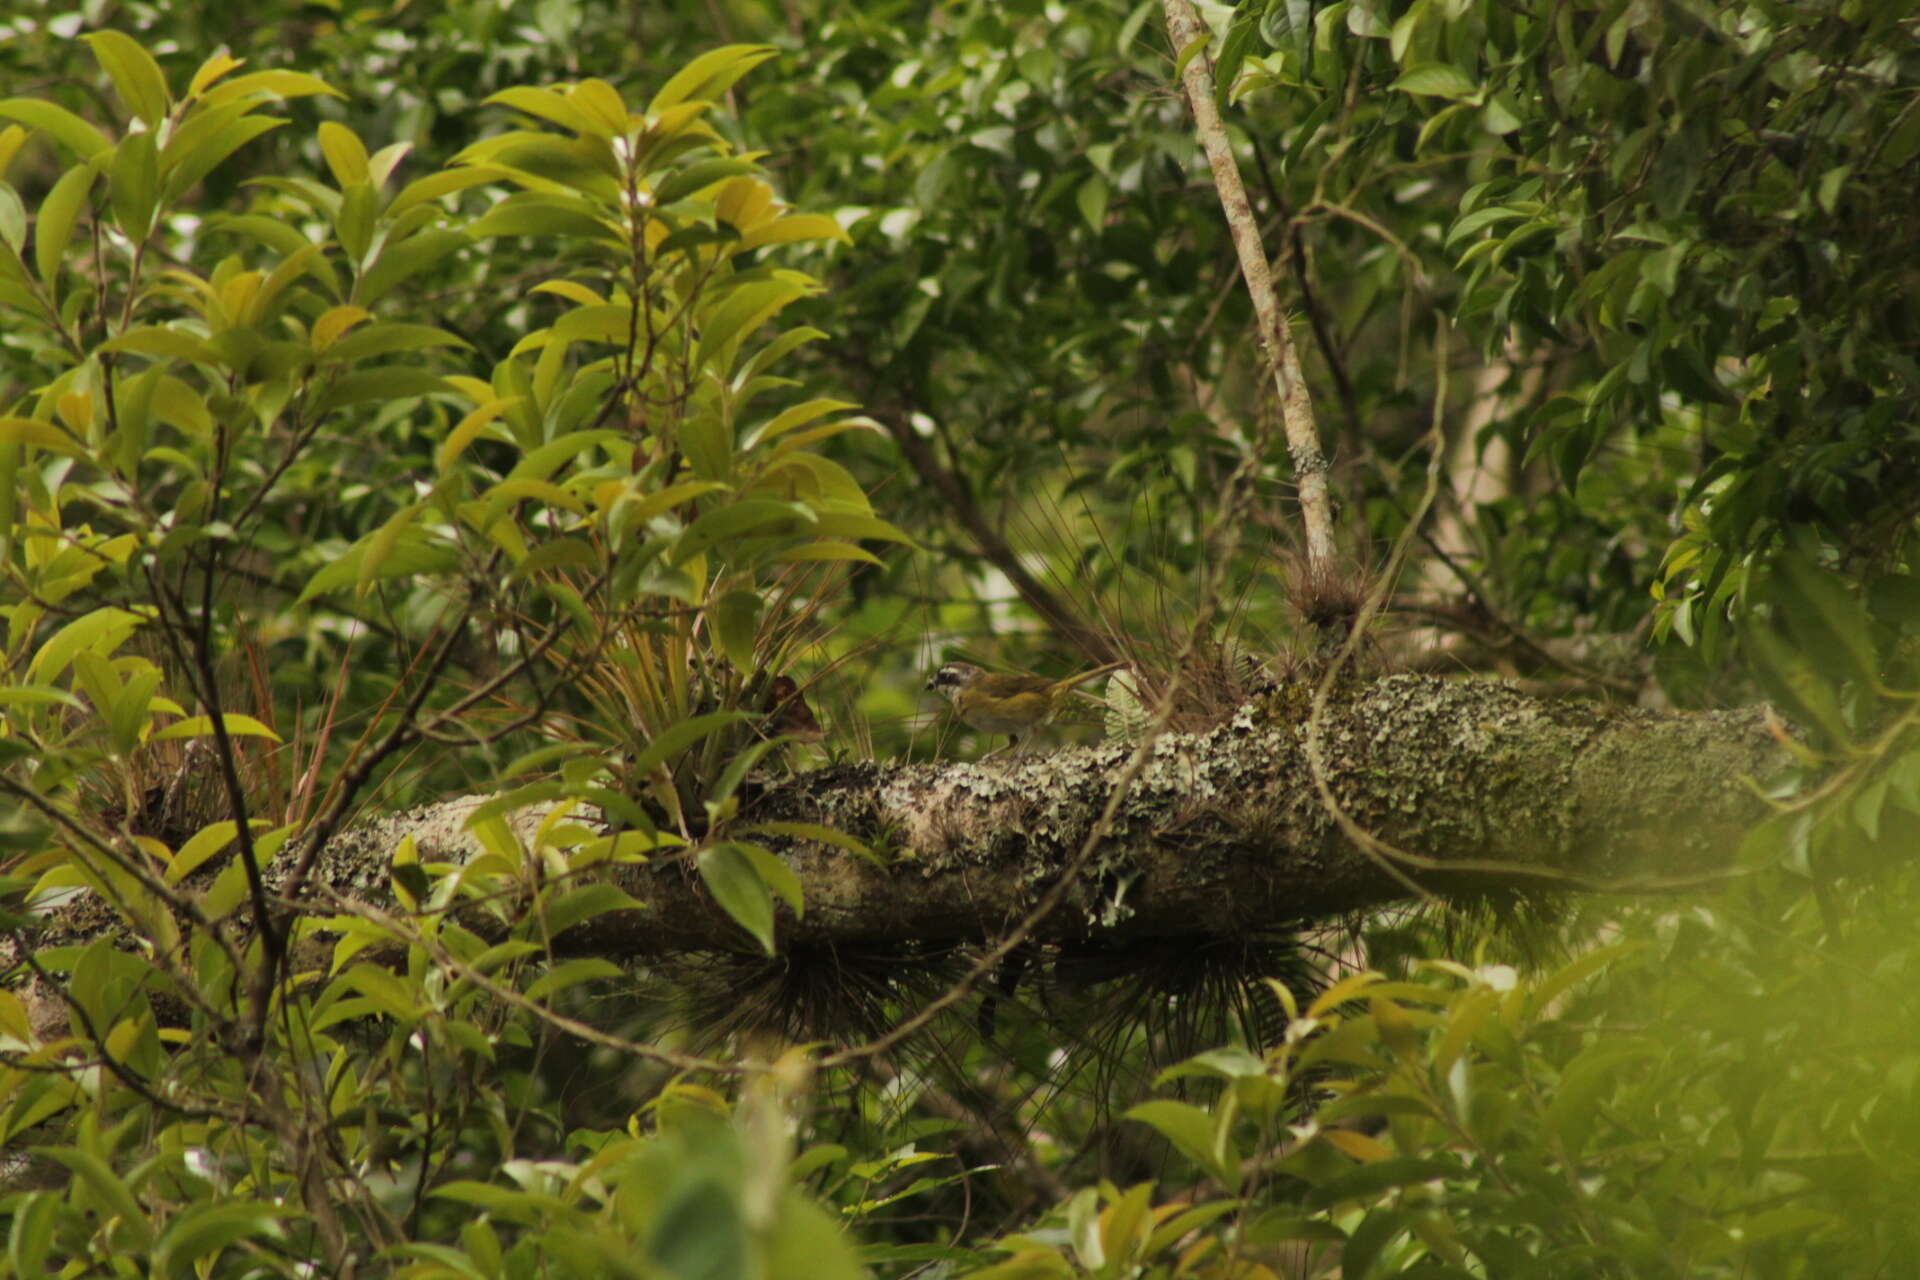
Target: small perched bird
[
  {"x": 1006, "y": 704},
  {"x": 788, "y": 712}
]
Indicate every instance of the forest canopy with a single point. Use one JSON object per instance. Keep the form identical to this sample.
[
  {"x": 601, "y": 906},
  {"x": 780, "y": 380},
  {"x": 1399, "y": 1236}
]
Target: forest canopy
[{"x": 487, "y": 490}]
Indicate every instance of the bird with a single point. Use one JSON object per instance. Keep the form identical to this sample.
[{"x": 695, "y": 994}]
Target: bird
[
  {"x": 1006, "y": 704},
  {"x": 788, "y": 712}
]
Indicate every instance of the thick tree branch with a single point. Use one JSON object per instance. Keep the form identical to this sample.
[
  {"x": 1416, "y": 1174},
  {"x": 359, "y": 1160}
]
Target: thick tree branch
[
  {"x": 1222, "y": 832},
  {"x": 1479, "y": 784}
]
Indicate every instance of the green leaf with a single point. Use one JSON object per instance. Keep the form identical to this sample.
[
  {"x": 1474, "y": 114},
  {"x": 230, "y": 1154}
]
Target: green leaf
[
  {"x": 444, "y": 183},
  {"x": 58, "y": 123},
  {"x": 393, "y": 996},
  {"x": 58, "y": 212},
  {"x": 730, "y": 876},
  {"x": 810, "y": 831},
  {"x": 709, "y": 75},
  {"x": 681, "y": 183},
  {"x": 34, "y": 1217},
  {"x": 1575, "y": 1105},
  {"x": 792, "y": 228},
  {"x": 400, "y": 262},
  {"x": 837, "y": 524},
  {"x": 1193, "y": 1134},
  {"x": 571, "y": 974},
  {"x": 101, "y": 631},
  {"x": 544, "y": 104},
  {"x": 13, "y": 220},
  {"x": 1829, "y": 621},
  {"x": 385, "y": 339},
  {"x": 678, "y": 737},
  {"x": 574, "y": 447},
  {"x": 136, "y": 76},
  {"x": 391, "y": 383},
  {"x": 792, "y": 419},
  {"x": 155, "y": 340},
  {"x": 375, "y": 549},
  {"x": 345, "y": 154},
  {"x": 133, "y": 182},
  {"x": 515, "y": 1206},
  {"x": 823, "y": 550},
  {"x": 584, "y": 903},
  {"x": 777, "y": 875},
  {"x": 724, "y": 524},
  {"x": 203, "y": 1230},
  {"x": 269, "y": 84},
  {"x": 113, "y": 1193},
  {"x": 202, "y": 727},
  {"x": 1368, "y": 1181},
  {"x": 206, "y": 842},
  {"x": 1188, "y": 51},
  {"x": 353, "y": 221},
  {"x": 1792, "y": 681},
  {"x": 38, "y": 695},
  {"x": 744, "y": 310},
  {"x": 1436, "y": 79},
  {"x": 41, "y": 435},
  {"x": 736, "y": 618},
  {"x": 1091, "y": 197},
  {"x": 192, "y": 153},
  {"x": 1364, "y": 1246},
  {"x": 541, "y": 215},
  {"x": 1571, "y": 975},
  {"x": 412, "y": 557}
]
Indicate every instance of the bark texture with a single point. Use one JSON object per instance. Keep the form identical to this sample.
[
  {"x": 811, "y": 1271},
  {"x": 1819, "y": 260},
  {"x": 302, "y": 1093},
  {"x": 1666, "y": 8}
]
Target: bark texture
[{"x": 1221, "y": 831}]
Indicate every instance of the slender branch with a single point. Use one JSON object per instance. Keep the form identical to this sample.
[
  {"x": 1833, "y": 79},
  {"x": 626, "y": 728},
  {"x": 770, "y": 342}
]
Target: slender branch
[{"x": 1296, "y": 407}]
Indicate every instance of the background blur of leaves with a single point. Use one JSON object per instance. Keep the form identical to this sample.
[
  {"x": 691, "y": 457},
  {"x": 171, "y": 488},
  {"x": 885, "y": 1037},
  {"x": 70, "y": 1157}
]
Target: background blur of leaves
[{"x": 1679, "y": 250}]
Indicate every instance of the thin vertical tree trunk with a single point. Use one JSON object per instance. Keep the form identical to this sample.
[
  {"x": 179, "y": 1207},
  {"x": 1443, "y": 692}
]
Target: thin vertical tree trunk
[{"x": 1296, "y": 408}]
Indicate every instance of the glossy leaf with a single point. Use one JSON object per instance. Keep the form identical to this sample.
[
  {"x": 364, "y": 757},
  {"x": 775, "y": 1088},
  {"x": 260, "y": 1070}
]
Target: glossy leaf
[
  {"x": 136, "y": 76},
  {"x": 737, "y": 886}
]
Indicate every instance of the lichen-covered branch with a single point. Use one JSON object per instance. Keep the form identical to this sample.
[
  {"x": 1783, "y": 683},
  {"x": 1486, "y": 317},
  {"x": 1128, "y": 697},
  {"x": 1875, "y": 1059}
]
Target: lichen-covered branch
[
  {"x": 1222, "y": 832},
  {"x": 1475, "y": 783}
]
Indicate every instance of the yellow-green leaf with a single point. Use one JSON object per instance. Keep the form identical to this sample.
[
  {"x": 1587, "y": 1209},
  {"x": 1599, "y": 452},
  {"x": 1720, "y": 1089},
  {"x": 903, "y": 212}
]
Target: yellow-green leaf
[
  {"x": 210, "y": 70},
  {"x": 41, "y": 435},
  {"x": 709, "y": 75},
  {"x": 12, "y": 138},
  {"x": 346, "y": 155},
  {"x": 736, "y": 620},
  {"x": 269, "y": 84},
  {"x": 794, "y": 227},
  {"x": 600, "y": 107},
  {"x": 334, "y": 322},
  {"x": 470, "y": 427},
  {"x": 237, "y": 725},
  {"x": 736, "y": 884},
  {"x": 58, "y": 212},
  {"x": 157, "y": 340},
  {"x": 544, "y": 104},
  {"x": 444, "y": 183},
  {"x": 823, "y": 549},
  {"x": 136, "y": 76},
  {"x": 208, "y": 841},
  {"x": 381, "y": 544},
  {"x": 58, "y": 123}
]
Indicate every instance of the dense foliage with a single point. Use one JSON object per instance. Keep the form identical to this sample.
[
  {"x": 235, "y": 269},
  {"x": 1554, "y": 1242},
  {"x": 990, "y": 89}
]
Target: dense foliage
[{"x": 473, "y": 397}]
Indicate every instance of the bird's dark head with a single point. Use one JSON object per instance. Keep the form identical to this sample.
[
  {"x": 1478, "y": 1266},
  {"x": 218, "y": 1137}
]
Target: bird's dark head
[{"x": 953, "y": 677}]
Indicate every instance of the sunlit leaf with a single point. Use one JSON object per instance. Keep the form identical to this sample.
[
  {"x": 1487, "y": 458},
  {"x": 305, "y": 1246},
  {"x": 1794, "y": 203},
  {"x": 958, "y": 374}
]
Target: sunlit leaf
[
  {"x": 136, "y": 76},
  {"x": 58, "y": 123}
]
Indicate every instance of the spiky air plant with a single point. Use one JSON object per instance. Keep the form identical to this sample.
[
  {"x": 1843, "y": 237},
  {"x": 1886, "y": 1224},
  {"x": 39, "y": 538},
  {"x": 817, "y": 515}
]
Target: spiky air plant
[{"x": 839, "y": 993}]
